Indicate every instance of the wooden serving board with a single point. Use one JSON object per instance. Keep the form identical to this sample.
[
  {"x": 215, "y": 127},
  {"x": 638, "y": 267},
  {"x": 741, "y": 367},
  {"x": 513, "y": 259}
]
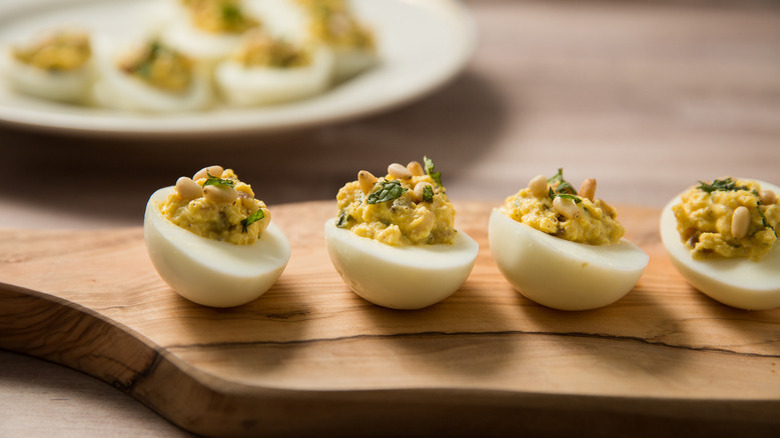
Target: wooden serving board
[{"x": 311, "y": 358}]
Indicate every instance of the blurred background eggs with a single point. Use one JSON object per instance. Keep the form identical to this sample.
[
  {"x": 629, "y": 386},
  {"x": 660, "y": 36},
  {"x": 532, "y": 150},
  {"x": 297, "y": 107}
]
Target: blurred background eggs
[{"x": 189, "y": 55}]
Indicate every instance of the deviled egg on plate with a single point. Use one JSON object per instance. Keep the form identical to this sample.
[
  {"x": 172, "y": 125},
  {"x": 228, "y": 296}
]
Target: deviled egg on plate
[
  {"x": 208, "y": 30},
  {"x": 394, "y": 242},
  {"x": 563, "y": 248},
  {"x": 265, "y": 70},
  {"x": 332, "y": 23},
  {"x": 150, "y": 77},
  {"x": 722, "y": 237},
  {"x": 212, "y": 241},
  {"x": 57, "y": 66}
]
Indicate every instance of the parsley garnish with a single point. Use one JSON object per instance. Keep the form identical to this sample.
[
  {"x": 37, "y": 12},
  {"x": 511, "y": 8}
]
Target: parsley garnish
[
  {"x": 554, "y": 194},
  {"x": 563, "y": 185},
  {"x": 388, "y": 191},
  {"x": 427, "y": 193},
  {"x": 429, "y": 169},
  {"x": 143, "y": 66},
  {"x": 215, "y": 181},
  {"x": 763, "y": 218},
  {"x": 156, "y": 49},
  {"x": 558, "y": 177},
  {"x": 144, "y": 69},
  {"x": 231, "y": 13},
  {"x": 724, "y": 185},
  {"x": 252, "y": 218},
  {"x": 341, "y": 222},
  {"x": 563, "y": 189}
]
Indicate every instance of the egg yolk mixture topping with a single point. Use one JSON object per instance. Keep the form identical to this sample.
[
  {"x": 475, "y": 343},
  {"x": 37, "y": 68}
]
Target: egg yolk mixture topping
[
  {"x": 728, "y": 218},
  {"x": 216, "y": 205},
  {"x": 60, "y": 51},
  {"x": 553, "y": 206},
  {"x": 260, "y": 50},
  {"x": 408, "y": 206},
  {"x": 333, "y": 23},
  {"x": 159, "y": 66},
  {"x": 219, "y": 16}
]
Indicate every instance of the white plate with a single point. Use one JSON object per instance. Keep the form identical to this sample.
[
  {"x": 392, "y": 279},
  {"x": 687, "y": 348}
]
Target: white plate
[{"x": 422, "y": 45}]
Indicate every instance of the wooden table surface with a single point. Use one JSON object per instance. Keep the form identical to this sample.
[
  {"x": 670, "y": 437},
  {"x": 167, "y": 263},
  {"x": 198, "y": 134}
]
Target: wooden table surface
[{"x": 646, "y": 97}]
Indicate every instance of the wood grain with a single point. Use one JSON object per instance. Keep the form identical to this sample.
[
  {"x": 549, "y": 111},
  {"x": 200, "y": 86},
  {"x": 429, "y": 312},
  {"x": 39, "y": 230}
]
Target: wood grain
[{"x": 309, "y": 357}]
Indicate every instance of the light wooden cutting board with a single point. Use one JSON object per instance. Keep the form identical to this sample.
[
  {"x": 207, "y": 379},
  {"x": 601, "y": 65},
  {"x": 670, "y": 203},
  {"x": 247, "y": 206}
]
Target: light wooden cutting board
[{"x": 311, "y": 358}]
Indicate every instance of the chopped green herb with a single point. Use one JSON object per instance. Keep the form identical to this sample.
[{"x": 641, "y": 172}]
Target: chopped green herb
[
  {"x": 428, "y": 193},
  {"x": 388, "y": 191},
  {"x": 215, "y": 181},
  {"x": 553, "y": 194},
  {"x": 231, "y": 13},
  {"x": 563, "y": 185},
  {"x": 563, "y": 189},
  {"x": 558, "y": 177},
  {"x": 155, "y": 49},
  {"x": 764, "y": 221},
  {"x": 144, "y": 69},
  {"x": 341, "y": 222},
  {"x": 430, "y": 170},
  {"x": 252, "y": 218},
  {"x": 724, "y": 185},
  {"x": 144, "y": 66}
]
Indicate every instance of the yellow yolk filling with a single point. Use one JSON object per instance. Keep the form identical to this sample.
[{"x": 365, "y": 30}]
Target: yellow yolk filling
[{"x": 217, "y": 220}]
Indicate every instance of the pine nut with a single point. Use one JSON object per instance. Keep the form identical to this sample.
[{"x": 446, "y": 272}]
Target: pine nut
[
  {"x": 768, "y": 197},
  {"x": 608, "y": 209},
  {"x": 588, "y": 189},
  {"x": 424, "y": 223},
  {"x": 366, "y": 180},
  {"x": 538, "y": 186},
  {"x": 740, "y": 222},
  {"x": 415, "y": 168},
  {"x": 419, "y": 189},
  {"x": 566, "y": 207},
  {"x": 399, "y": 171},
  {"x": 215, "y": 171},
  {"x": 187, "y": 188},
  {"x": 220, "y": 194}
]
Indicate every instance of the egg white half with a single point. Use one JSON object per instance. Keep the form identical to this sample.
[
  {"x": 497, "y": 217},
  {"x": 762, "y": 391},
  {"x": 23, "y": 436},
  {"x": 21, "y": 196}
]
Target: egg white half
[
  {"x": 210, "y": 272},
  {"x": 119, "y": 90},
  {"x": 286, "y": 19},
  {"x": 206, "y": 47},
  {"x": 410, "y": 277},
  {"x": 242, "y": 86},
  {"x": 561, "y": 274},
  {"x": 349, "y": 62},
  {"x": 737, "y": 282},
  {"x": 64, "y": 86}
]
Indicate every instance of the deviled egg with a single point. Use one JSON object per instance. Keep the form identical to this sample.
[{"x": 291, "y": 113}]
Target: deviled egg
[
  {"x": 150, "y": 77},
  {"x": 394, "y": 242},
  {"x": 722, "y": 237},
  {"x": 281, "y": 18},
  {"x": 353, "y": 44},
  {"x": 208, "y": 30},
  {"x": 57, "y": 66},
  {"x": 563, "y": 248},
  {"x": 212, "y": 241},
  {"x": 332, "y": 23},
  {"x": 265, "y": 70}
]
